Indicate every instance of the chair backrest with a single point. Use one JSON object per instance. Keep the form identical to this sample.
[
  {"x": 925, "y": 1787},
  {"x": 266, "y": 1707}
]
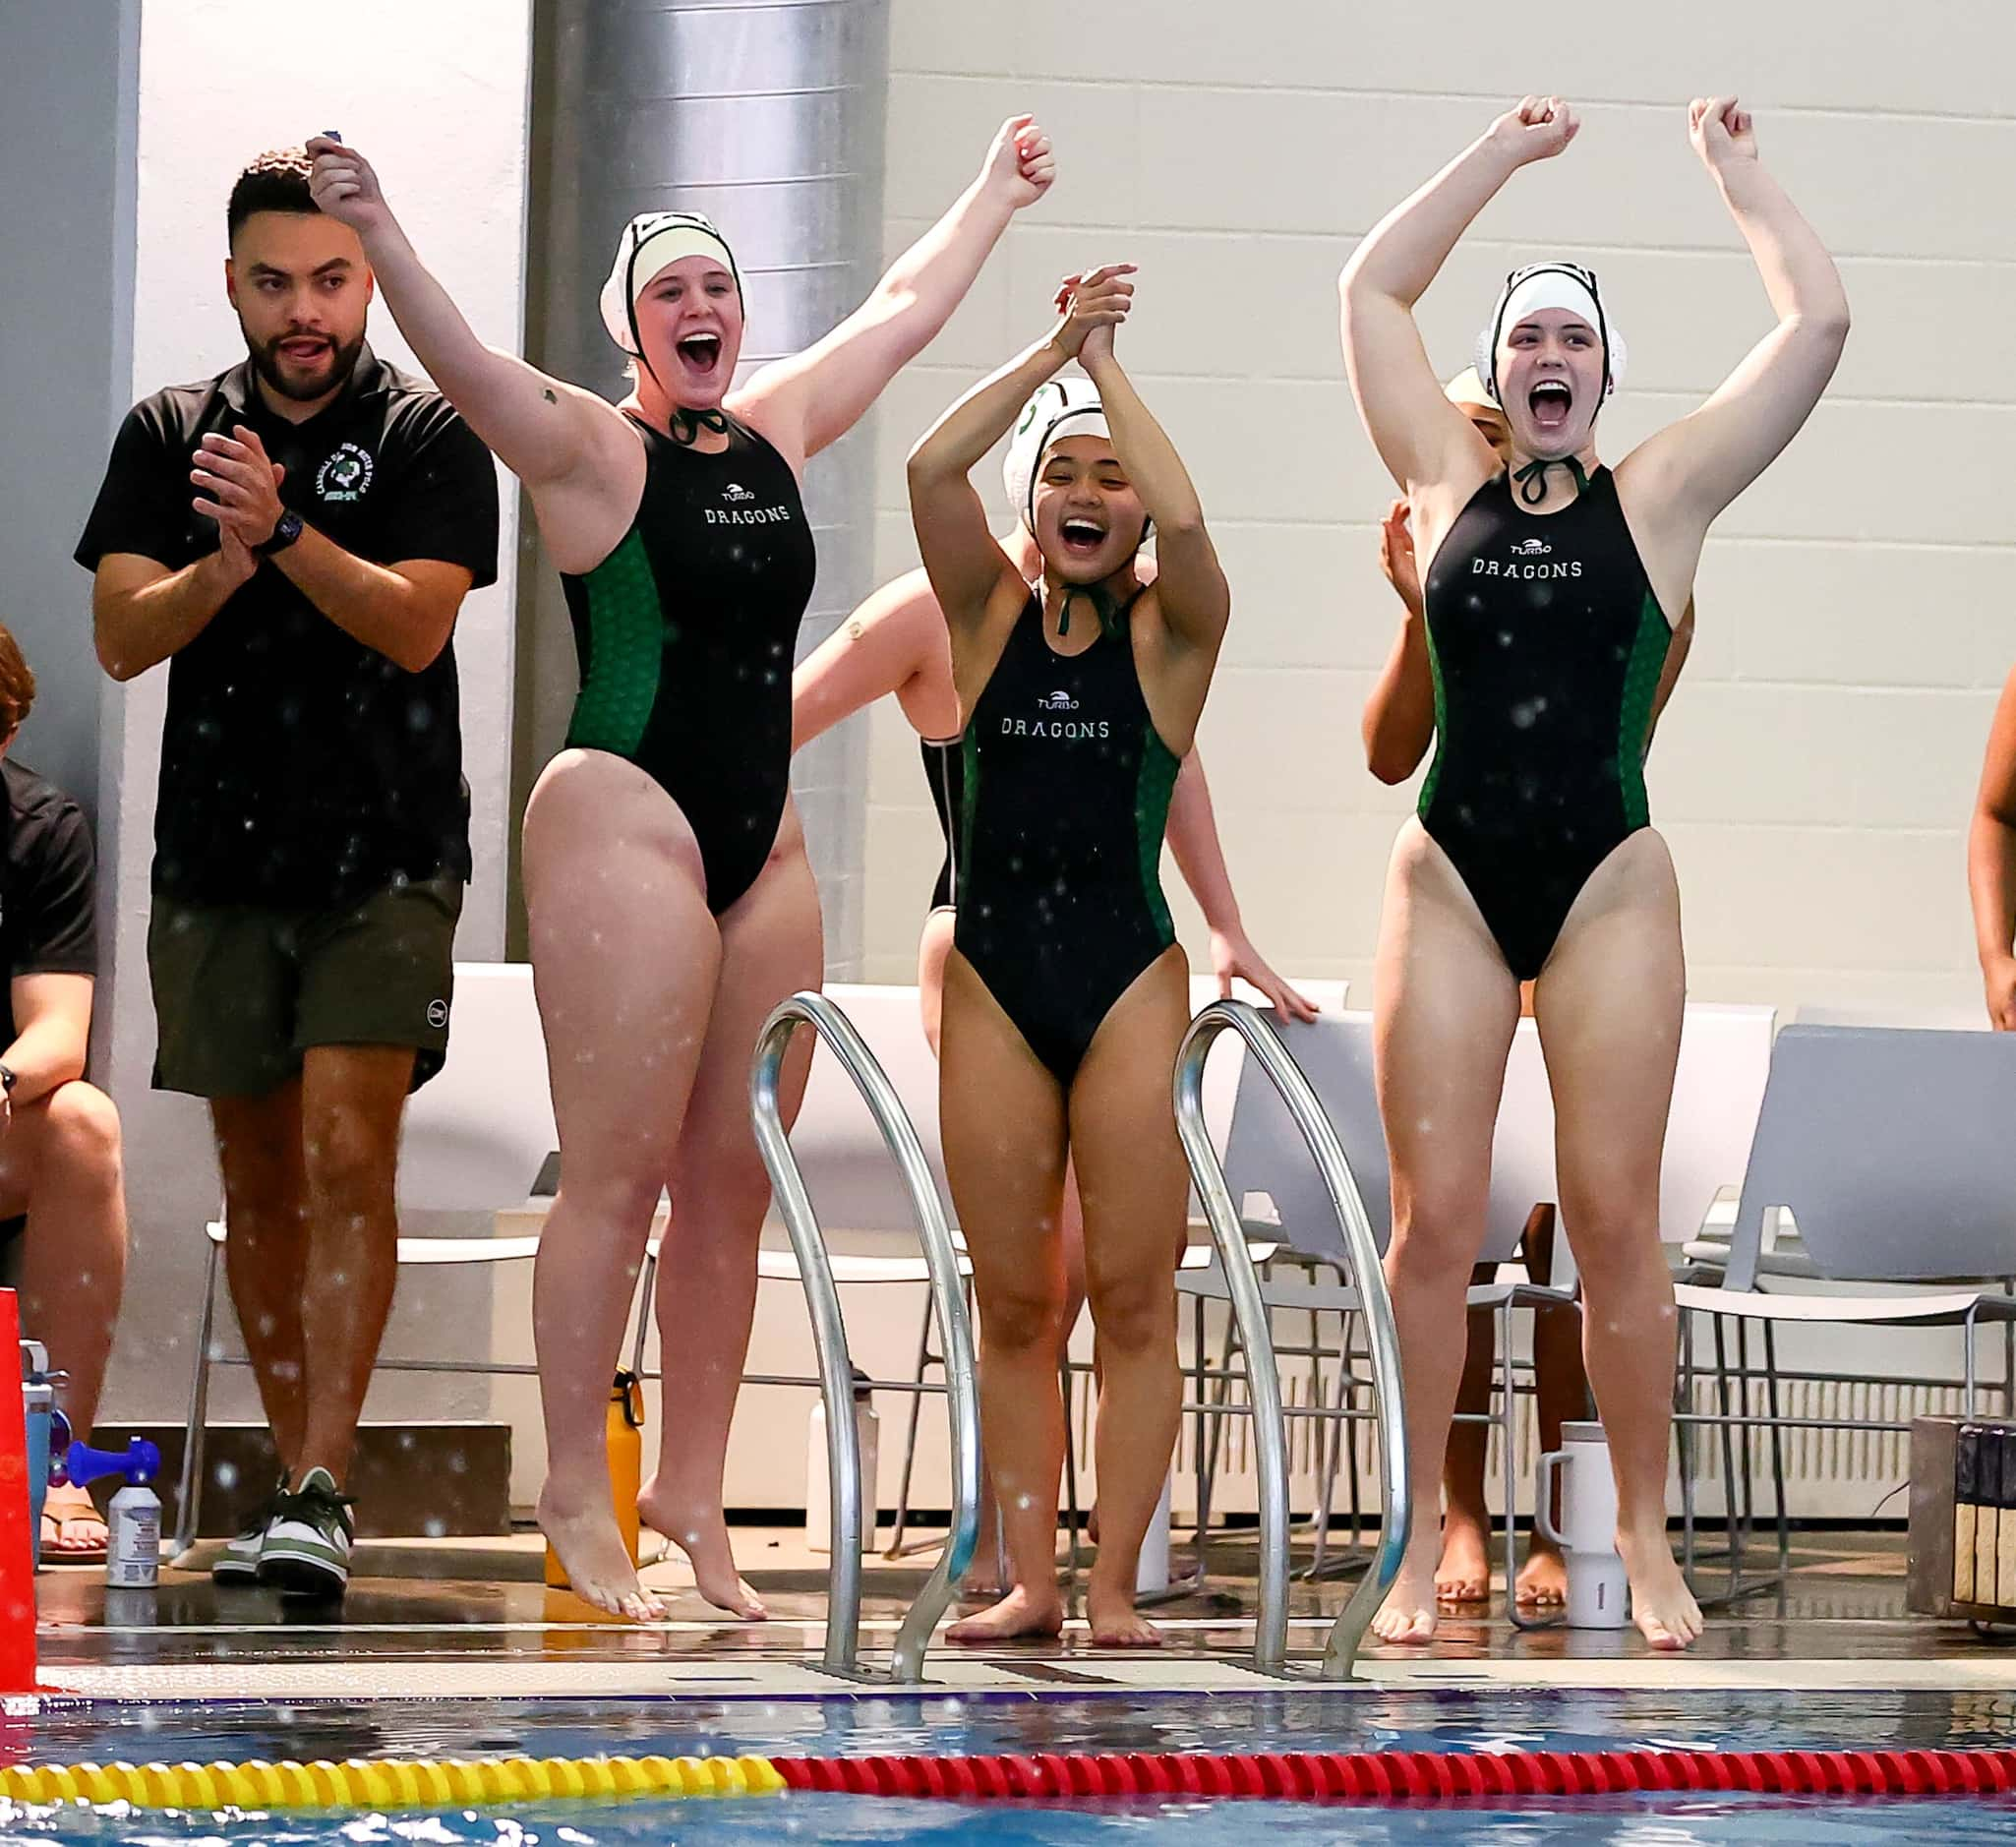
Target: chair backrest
[
  {"x": 477, "y": 1134},
  {"x": 1725, "y": 1052},
  {"x": 1269, "y": 1168},
  {"x": 1266, "y": 1158},
  {"x": 1895, "y": 1150},
  {"x": 1948, "y": 1017},
  {"x": 1718, "y": 1088},
  {"x": 1229, "y": 1054},
  {"x": 854, "y": 1183}
]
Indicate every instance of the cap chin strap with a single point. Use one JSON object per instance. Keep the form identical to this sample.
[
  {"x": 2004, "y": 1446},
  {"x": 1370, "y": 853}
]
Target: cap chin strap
[
  {"x": 1532, "y": 478},
  {"x": 687, "y": 425},
  {"x": 1109, "y": 609}
]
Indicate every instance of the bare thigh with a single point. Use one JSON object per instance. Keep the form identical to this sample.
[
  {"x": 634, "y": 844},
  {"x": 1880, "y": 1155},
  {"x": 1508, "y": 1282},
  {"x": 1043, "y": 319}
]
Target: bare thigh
[
  {"x": 772, "y": 946},
  {"x": 934, "y": 945},
  {"x": 1445, "y": 1007},
  {"x": 624, "y": 956},
  {"x": 1002, "y": 1120},
  {"x": 1132, "y": 1179},
  {"x": 1609, "y": 1005}
]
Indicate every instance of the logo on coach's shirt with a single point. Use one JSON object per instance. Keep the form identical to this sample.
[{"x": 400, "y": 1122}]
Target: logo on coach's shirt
[
  {"x": 741, "y": 513},
  {"x": 1058, "y": 701},
  {"x": 345, "y": 473}
]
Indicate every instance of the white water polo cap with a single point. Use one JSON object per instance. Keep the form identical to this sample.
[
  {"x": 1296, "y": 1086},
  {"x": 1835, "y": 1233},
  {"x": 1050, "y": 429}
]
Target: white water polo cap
[
  {"x": 1540, "y": 285},
  {"x": 650, "y": 242},
  {"x": 1059, "y": 408}
]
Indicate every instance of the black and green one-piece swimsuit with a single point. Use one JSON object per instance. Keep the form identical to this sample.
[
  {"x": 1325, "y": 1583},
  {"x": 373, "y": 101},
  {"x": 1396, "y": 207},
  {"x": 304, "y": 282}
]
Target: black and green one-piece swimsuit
[
  {"x": 685, "y": 635},
  {"x": 1547, "y": 645},
  {"x": 1064, "y": 802}
]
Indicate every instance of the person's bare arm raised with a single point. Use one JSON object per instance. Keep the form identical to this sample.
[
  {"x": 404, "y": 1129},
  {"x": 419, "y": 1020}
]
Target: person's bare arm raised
[
  {"x": 1190, "y": 588},
  {"x": 964, "y": 562},
  {"x": 812, "y": 398},
  {"x": 888, "y": 643},
  {"x": 541, "y": 429},
  {"x": 1423, "y": 438},
  {"x": 1399, "y": 724},
  {"x": 1992, "y": 864},
  {"x": 1707, "y": 458}
]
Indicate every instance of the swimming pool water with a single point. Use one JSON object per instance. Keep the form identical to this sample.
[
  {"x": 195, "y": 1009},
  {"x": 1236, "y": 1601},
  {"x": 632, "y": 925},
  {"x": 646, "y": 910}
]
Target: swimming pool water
[
  {"x": 1645, "y": 1820},
  {"x": 1353, "y": 1719}
]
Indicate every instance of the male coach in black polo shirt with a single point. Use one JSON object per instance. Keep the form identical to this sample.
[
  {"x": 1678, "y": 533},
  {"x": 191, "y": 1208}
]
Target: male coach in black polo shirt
[{"x": 295, "y": 537}]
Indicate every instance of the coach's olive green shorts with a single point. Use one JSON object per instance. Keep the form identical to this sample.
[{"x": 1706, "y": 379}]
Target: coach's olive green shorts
[{"x": 241, "y": 991}]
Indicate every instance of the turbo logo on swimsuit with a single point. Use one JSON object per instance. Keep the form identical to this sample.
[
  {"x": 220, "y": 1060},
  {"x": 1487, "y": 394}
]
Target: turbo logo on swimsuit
[
  {"x": 1068, "y": 729},
  {"x": 1525, "y": 553}
]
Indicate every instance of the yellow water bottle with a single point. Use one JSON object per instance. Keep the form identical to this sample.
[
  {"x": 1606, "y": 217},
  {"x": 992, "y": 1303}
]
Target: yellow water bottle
[{"x": 626, "y": 1439}]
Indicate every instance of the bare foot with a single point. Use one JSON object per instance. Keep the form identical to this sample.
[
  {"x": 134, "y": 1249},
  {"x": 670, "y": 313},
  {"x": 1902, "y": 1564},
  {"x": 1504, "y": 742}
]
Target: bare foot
[
  {"x": 1091, "y": 1522},
  {"x": 591, "y": 1550},
  {"x": 1464, "y": 1574},
  {"x": 1662, "y": 1606},
  {"x": 703, "y": 1538},
  {"x": 1408, "y": 1613},
  {"x": 72, "y": 1524},
  {"x": 1020, "y": 1614},
  {"x": 1543, "y": 1579},
  {"x": 1114, "y": 1621}
]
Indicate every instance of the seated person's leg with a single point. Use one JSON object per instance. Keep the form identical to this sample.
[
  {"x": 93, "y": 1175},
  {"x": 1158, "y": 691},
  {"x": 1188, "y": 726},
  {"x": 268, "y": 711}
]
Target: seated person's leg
[
  {"x": 1562, "y": 1389},
  {"x": 60, "y": 1165},
  {"x": 1464, "y": 1574}
]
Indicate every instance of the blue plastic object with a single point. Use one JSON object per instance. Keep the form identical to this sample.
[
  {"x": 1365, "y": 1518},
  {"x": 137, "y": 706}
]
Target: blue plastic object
[{"x": 139, "y": 1460}]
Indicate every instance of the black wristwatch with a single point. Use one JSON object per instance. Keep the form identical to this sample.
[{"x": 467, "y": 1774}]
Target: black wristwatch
[
  {"x": 286, "y": 529},
  {"x": 7, "y": 1080}
]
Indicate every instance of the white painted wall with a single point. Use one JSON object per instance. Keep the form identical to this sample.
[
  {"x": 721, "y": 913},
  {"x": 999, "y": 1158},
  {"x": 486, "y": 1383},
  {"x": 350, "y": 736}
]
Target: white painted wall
[
  {"x": 1816, "y": 768},
  {"x": 437, "y": 95}
]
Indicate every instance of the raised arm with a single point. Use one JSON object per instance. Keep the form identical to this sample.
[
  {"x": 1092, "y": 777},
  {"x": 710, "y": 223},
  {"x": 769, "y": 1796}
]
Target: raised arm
[
  {"x": 1707, "y": 458},
  {"x": 812, "y": 398},
  {"x": 1991, "y": 863},
  {"x": 964, "y": 559},
  {"x": 1421, "y": 436},
  {"x": 1200, "y": 857},
  {"x": 1399, "y": 723},
  {"x": 1190, "y": 585},
  {"x": 890, "y": 642},
  {"x": 543, "y": 430}
]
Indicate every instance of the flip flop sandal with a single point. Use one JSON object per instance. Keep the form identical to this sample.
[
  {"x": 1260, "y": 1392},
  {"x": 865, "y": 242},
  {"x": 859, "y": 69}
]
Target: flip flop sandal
[{"x": 54, "y": 1552}]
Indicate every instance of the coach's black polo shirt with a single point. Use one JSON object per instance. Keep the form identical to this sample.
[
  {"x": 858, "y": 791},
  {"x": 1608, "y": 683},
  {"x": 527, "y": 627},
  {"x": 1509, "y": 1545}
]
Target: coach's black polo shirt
[
  {"x": 48, "y": 911},
  {"x": 300, "y": 767}
]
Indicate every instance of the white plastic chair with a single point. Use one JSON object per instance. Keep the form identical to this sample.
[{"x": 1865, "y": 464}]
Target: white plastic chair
[{"x": 1893, "y": 1151}]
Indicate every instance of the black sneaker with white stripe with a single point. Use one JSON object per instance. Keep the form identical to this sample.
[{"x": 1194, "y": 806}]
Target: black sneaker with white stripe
[{"x": 307, "y": 1549}]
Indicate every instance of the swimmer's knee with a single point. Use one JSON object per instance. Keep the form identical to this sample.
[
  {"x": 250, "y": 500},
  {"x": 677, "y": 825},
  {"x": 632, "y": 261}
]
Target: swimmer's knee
[
  {"x": 1133, "y": 1310},
  {"x": 1023, "y": 1321},
  {"x": 1434, "y": 1239},
  {"x": 613, "y": 1197}
]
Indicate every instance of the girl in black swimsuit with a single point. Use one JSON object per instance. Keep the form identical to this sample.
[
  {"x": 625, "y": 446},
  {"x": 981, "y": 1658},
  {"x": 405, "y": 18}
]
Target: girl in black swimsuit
[
  {"x": 1551, "y": 588},
  {"x": 1066, "y": 994},
  {"x": 670, "y": 899}
]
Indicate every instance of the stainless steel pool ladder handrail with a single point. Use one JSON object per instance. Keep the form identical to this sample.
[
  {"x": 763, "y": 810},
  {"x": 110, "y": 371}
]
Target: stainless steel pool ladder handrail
[
  {"x": 829, "y": 1331},
  {"x": 1249, "y": 1308}
]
